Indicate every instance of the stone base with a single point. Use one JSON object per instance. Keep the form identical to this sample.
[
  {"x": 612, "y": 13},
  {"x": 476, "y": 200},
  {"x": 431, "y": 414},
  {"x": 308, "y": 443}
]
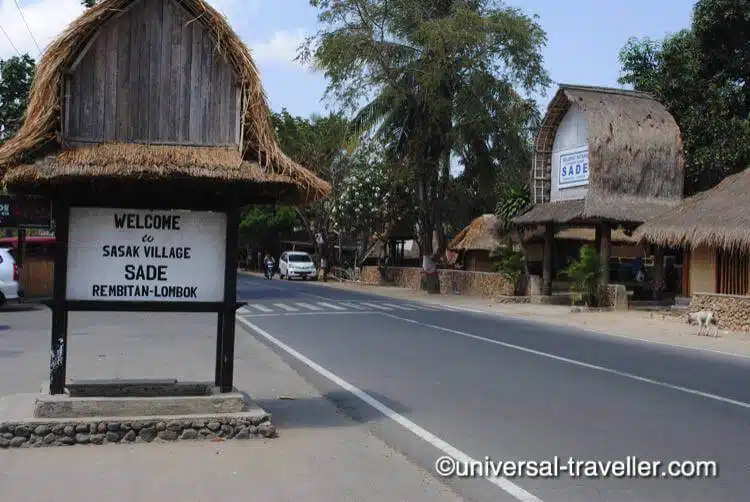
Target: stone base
[
  {"x": 38, "y": 433},
  {"x": 136, "y": 398},
  {"x": 22, "y": 427}
]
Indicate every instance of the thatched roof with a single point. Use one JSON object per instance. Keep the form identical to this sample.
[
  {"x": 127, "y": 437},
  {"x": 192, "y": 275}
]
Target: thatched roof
[
  {"x": 719, "y": 217},
  {"x": 636, "y": 157},
  {"x": 480, "y": 235},
  {"x": 621, "y": 208},
  {"x": 583, "y": 234},
  {"x": 38, "y": 137}
]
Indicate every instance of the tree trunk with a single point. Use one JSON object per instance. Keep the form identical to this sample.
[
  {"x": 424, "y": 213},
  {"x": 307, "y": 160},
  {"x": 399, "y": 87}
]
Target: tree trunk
[{"x": 430, "y": 281}]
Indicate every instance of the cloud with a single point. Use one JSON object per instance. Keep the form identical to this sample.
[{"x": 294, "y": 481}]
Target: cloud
[
  {"x": 46, "y": 19},
  {"x": 280, "y": 50}
]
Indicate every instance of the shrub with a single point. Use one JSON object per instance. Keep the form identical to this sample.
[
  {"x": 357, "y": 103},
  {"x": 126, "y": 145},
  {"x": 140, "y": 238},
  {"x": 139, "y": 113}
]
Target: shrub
[
  {"x": 584, "y": 273},
  {"x": 509, "y": 263}
]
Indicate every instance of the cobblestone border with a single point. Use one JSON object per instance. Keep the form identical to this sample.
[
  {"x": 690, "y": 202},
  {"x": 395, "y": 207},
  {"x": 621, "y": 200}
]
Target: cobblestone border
[{"x": 38, "y": 434}]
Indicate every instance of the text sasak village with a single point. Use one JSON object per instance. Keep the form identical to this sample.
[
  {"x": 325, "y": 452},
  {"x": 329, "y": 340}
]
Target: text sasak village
[{"x": 135, "y": 272}]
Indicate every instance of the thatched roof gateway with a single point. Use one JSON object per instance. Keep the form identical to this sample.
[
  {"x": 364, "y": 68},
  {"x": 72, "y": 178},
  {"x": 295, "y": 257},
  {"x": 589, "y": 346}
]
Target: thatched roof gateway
[
  {"x": 719, "y": 217},
  {"x": 37, "y": 159},
  {"x": 480, "y": 235},
  {"x": 636, "y": 158}
]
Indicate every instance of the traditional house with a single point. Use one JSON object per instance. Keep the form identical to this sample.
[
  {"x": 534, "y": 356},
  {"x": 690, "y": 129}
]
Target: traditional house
[
  {"x": 136, "y": 96},
  {"x": 475, "y": 243},
  {"x": 714, "y": 227},
  {"x": 604, "y": 159}
]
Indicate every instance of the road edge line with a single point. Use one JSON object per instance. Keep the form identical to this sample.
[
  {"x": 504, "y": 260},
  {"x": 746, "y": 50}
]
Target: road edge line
[{"x": 504, "y": 484}]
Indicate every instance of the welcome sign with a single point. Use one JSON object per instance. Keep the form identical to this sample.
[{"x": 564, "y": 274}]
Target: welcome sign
[
  {"x": 574, "y": 168},
  {"x": 143, "y": 255}
]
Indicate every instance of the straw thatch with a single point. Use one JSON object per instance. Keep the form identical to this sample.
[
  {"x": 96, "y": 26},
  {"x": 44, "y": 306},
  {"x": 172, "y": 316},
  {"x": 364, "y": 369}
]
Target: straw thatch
[
  {"x": 719, "y": 217},
  {"x": 581, "y": 234},
  {"x": 482, "y": 234},
  {"x": 636, "y": 157},
  {"x": 39, "y": 134}
]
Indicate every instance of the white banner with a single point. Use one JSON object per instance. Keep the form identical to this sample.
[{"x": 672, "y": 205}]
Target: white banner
[
  {"x": 143, "y": 255},
  {"x": 574, "y": 168}
]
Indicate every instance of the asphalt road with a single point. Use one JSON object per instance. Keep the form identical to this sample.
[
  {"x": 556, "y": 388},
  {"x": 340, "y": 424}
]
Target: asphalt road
[{"x": 513, "y": 390}]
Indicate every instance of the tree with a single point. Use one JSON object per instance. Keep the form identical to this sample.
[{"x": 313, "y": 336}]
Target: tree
[
  {"x": 16, "y": 76},
  {"x": 425, "y": 65},
  {"x": 265, "y": 226},
  {"x": 88, "y": 3},
  {"x": 317, "y": 143},
  {"x": 700, "y": 74},
  {"x": 372, "y": 198}
]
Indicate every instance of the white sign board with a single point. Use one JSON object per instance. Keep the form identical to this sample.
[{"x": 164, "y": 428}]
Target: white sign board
[
  {"x": 147, "y": 256},
  {"x": 574, "y": 168}
]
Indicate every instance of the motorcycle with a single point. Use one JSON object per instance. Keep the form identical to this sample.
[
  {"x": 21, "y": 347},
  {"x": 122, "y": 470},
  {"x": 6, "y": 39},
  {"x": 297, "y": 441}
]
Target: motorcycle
[{"x": 269, "y": 270}]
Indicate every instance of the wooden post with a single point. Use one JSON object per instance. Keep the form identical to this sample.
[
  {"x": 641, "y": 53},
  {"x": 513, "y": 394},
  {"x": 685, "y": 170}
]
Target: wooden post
[
  {"x": 59, "y": 345},
  {"x": 658, "y": 272},
  {"x": 598, "y": 239},
  {"x": 549, "y": 235},
  {"x": 686, "y": 272},
  {"x": 226, "y": 318},
  {"x": 605, "y": 248}
]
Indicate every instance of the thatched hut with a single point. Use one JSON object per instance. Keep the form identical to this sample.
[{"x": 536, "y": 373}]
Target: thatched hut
[
  {"x": 714, "y": 227},
  {"x": 476, "y": 241},
  {"x": 603, "y": 158},
  {"x": 136, "y": 96}
]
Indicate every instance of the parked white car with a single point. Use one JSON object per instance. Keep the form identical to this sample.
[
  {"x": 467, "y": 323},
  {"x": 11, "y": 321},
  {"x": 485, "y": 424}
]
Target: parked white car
[
  {"x": 297, "y": 264},
  {"x": 8, "y": 277}
]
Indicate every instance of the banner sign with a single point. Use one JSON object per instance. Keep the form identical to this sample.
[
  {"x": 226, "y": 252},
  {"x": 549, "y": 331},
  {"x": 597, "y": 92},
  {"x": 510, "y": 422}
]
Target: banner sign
[
  {"x": 574, "y": 168},
  {"x": 142, "y": 255}
]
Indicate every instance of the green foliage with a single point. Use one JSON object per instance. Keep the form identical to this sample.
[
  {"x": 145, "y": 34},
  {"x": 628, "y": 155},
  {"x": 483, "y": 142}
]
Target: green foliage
[
  {"x": 700, "y": 74},
  {"x": 372, "y": 197},
  {"x": 88, "y": 3},
  {"x": 265, "y": 226},
  {"x": 514, "y": 200},
  {"x": 320, "y": 144},
  {"x": 509, "y": 263},
  {"x": 585, "y": 273},
  {"x": 16, "y": 76}
]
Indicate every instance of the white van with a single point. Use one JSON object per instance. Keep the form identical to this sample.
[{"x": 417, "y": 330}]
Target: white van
[
  {"x": 297, "y": 264},
  {"x": 9, "y": 277}
]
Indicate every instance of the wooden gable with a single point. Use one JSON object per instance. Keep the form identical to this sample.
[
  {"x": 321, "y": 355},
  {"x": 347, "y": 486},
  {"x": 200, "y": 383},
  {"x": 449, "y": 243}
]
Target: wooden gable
[{"x": 152, "y": 74}]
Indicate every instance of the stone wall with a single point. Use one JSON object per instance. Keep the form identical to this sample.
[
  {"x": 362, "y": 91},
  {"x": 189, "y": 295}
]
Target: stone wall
[
  {"x": 485, "y": 284},
  {"x": 732, "y": 311},
  {"x": 37, "y": 434}
]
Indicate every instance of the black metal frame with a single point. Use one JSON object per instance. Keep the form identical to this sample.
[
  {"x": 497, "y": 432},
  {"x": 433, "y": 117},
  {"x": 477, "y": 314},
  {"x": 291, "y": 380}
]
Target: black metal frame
[{"x": 61, "y": 306}]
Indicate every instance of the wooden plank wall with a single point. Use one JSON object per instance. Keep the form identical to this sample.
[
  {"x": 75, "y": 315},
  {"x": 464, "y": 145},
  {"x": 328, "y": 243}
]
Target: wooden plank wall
[{"x": 153, "y": 75}]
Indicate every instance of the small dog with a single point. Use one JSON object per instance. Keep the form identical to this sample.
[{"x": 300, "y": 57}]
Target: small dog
[{"x": 706, "y": 321}]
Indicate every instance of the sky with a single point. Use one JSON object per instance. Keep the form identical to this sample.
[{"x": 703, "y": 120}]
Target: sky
[{"x": 584, "y": 38}]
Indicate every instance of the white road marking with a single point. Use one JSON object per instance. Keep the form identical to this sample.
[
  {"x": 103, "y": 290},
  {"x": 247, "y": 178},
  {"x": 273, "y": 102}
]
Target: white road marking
[
  {"x": 593, "y": 331},
  {"x": 330, "y": 306},
  {"x": 308, "y": 306},
  {"x": 504, "y": 484},
  {"x": 322, "y": 312},
  {"x": 286, "y": 307},
  {"x": 375, "y": 306},
  {"x": 579, "y": 363},
  {"x": 351, "y": 305},
  {"x": 244, "y": 310},
  {"x": 260, "y": 307},
  {"x": 400, "y": 307}
]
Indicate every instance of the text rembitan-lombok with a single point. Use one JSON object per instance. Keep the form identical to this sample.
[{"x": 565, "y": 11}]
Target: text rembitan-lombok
[{"x": 135, "y": 290}]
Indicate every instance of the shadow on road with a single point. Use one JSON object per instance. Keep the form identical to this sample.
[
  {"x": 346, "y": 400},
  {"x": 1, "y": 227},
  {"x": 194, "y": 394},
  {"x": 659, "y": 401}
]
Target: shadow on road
[
  {"x": 21, "y": 307},
  {"x": 317, "y": 412}
]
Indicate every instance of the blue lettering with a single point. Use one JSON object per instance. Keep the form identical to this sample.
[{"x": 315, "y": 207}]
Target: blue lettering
[
  {"x": 585, "y": 168},
  {"x": 564, "y": 173},
  {"x": 578, "y": 168}
]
